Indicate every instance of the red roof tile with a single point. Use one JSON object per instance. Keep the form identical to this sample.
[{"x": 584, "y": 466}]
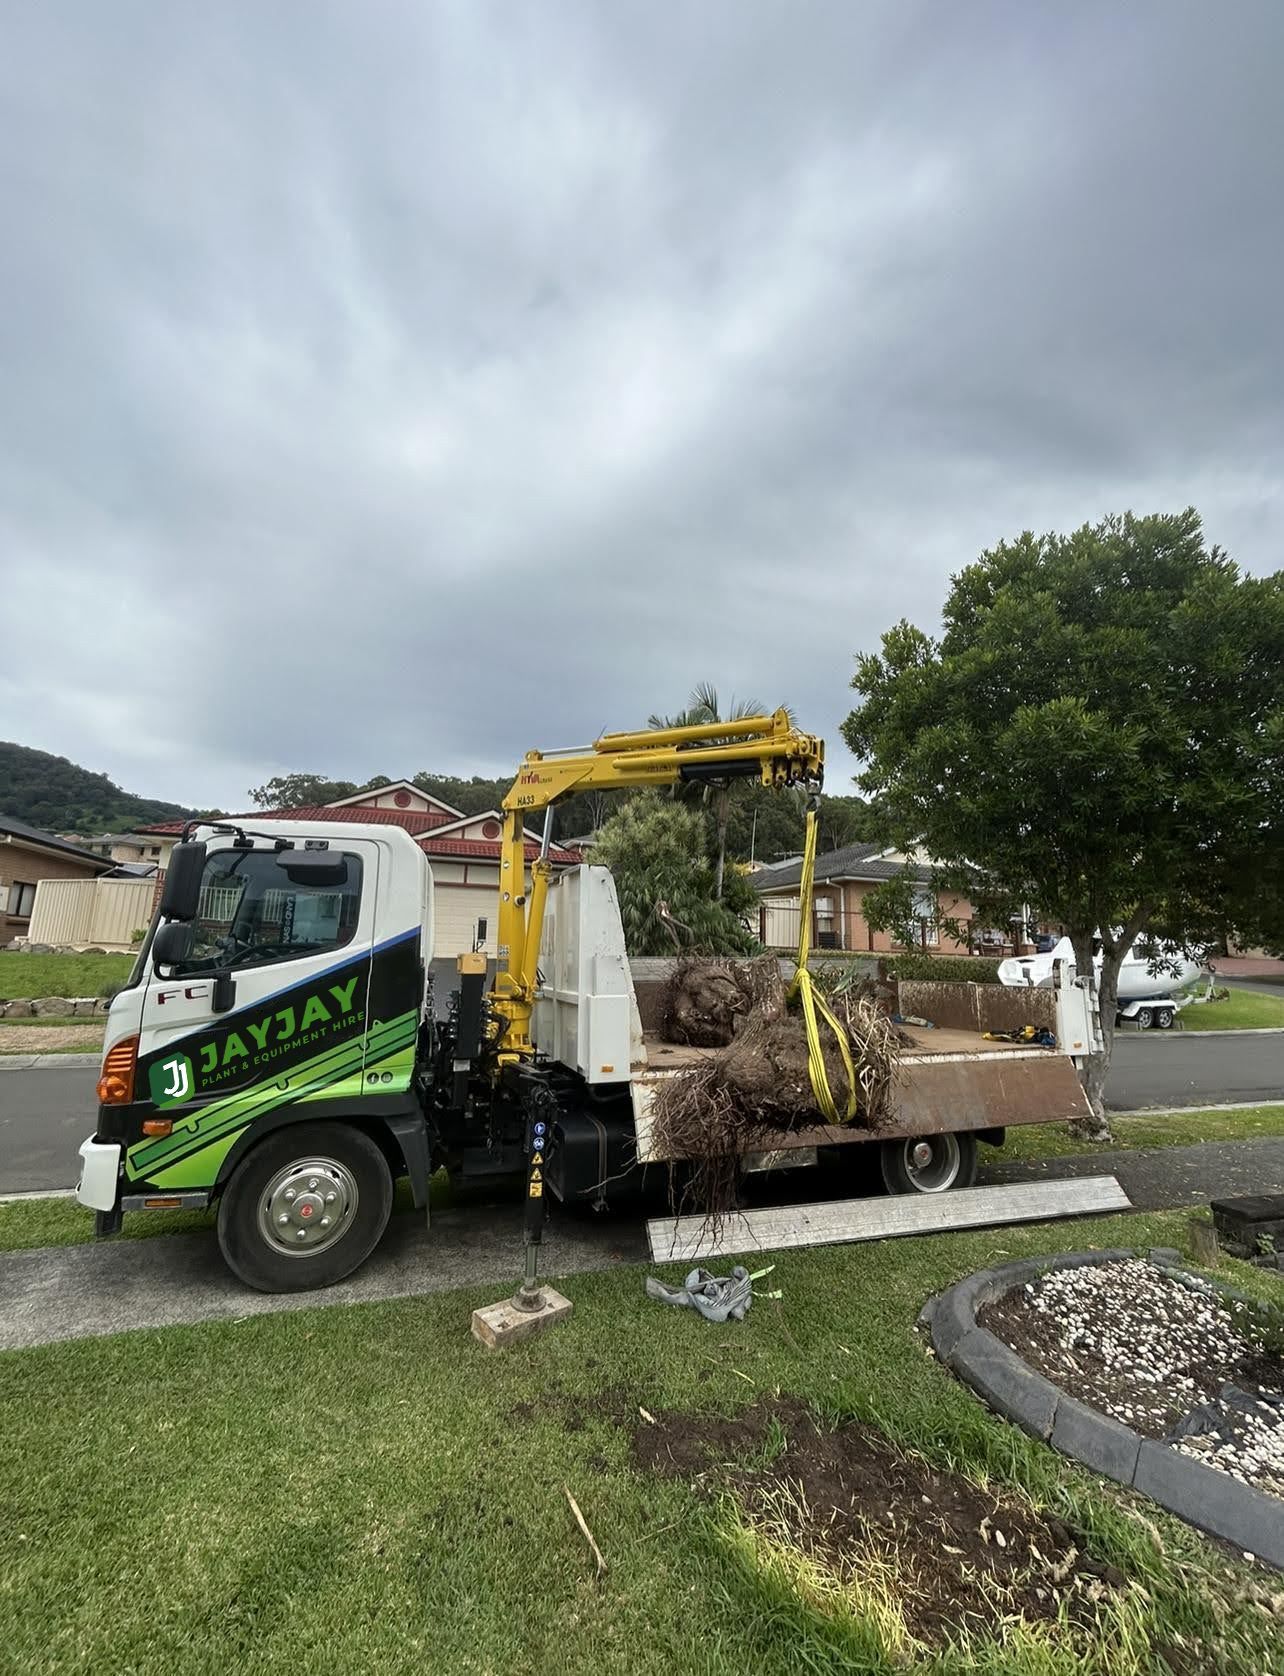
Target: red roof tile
[
  {"x": 481, "y": 849},
  {"x": 414, "y": 821}
]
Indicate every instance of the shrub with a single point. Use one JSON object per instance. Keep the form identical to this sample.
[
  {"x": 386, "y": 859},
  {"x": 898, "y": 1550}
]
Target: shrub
[
  {"x": 942, "y": 968},
  {"x": 655, "y": 849}
]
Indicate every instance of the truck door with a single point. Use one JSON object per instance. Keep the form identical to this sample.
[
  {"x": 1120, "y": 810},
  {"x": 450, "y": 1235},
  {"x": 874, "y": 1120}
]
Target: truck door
[{"x": 296, "y": 951}]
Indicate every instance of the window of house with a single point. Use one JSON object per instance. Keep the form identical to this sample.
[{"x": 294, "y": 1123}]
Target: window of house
[
  {"x": 927, "y": 909},
  {"x": 22, "y": 899},
  {"x": 252, "y": 913},
  {"x": 923, "y": 930}
]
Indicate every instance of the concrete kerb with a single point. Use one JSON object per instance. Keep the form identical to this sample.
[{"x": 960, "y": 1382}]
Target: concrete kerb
[{"x": 1210, "y": 1500}]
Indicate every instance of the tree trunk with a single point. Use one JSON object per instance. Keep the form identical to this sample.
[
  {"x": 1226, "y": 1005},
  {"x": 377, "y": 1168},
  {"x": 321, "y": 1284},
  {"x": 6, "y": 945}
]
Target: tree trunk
[
  {"x": 1096, "y": 1066},
  {"x": 723, "y": 814}
]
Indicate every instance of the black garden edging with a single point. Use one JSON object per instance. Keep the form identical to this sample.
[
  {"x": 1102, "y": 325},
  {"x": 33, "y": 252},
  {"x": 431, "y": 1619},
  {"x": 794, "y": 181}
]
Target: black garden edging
[{"x": 1211, "y": 1500}]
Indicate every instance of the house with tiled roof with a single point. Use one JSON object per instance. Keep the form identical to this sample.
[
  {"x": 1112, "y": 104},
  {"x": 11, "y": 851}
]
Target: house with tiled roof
[
  {"x": 842, "y": 879},
  {"x": 463, "y": 850},
  {"x": 27, "y": 856}
]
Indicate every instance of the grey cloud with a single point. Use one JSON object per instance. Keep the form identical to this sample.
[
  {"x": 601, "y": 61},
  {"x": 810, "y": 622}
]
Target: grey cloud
[{"x": 394, "y": 387}]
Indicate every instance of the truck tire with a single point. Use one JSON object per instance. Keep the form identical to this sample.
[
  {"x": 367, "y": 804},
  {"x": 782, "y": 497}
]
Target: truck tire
[
  {"x": 928, "y": 1163},
  {"x": 305, "y": 1207}
]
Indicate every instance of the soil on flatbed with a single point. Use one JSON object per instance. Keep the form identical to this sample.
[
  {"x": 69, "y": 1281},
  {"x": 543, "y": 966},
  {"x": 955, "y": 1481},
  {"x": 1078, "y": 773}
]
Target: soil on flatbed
[{"x": 958, "y": 1558}]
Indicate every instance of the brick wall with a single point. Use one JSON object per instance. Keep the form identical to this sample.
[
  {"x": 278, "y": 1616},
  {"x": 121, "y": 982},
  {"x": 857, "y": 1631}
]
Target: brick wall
[
  {"x": 838, "y": 922},
  {"x": 23, "y": 866}
]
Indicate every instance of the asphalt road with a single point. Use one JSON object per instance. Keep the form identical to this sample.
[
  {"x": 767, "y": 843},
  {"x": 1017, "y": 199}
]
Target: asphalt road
[
  {"x": 1179, "y": 1070},
  {"x": 45, "y": 1114}
]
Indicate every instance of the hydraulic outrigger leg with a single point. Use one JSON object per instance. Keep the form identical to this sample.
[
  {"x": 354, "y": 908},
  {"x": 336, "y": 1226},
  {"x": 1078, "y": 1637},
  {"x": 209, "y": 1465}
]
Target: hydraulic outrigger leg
[{"x": 532, "y": 1307}]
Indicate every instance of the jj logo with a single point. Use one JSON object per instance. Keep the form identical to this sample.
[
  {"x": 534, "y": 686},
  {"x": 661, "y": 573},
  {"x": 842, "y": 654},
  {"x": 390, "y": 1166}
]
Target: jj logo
[
  {"x": 171, "y": 1080},
  {"x": 179, "y": 1079}
]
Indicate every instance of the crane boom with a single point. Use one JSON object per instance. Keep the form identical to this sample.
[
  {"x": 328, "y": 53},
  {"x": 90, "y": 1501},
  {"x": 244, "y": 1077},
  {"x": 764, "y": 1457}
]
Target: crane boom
[{"x": 767, "y": 748}]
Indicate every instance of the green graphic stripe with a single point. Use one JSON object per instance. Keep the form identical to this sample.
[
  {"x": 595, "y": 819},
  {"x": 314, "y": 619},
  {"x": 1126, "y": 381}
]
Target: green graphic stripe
[
  {"x": 201, "y": 1168},
  {"x": 200, "y": 1128},
  {"x": 318, "y": 1073},
  {"x": 205, "y": 1121},
  {"x": 399, "y": 1064},
  {"x": 237, "y": 1110}
]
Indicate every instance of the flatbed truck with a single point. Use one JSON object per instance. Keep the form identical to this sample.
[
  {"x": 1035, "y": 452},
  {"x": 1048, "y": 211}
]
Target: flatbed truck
[{"x": 280, "y": 1051}]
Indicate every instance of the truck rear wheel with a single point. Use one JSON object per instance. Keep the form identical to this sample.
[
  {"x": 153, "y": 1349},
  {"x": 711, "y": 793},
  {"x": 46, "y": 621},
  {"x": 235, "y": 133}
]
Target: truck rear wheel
[
  {"x": 304, "y": 1208},
  {"x": 928, "y": 1163}
]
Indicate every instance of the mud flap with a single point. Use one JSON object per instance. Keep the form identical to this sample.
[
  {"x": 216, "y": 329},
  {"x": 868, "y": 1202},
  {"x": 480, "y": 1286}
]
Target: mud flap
[{"x": 411, "y": 1135}]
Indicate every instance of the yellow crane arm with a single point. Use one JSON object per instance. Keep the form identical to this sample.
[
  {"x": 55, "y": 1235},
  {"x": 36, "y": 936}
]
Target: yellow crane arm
[{"x": 767, "y": 748}]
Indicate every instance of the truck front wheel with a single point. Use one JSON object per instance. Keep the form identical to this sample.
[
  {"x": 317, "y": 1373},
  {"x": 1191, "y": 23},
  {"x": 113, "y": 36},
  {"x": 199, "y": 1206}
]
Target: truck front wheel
[
  {"x": 928, "y": 1163},
  {"x": 304, "y": 1208}
]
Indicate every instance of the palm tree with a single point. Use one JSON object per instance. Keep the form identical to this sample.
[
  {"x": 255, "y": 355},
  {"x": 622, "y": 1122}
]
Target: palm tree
[{"x": 703, "y": 709}]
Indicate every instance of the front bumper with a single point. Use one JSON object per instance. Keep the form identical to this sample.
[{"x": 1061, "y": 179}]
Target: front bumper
[{"x": 99, "y": 1174}]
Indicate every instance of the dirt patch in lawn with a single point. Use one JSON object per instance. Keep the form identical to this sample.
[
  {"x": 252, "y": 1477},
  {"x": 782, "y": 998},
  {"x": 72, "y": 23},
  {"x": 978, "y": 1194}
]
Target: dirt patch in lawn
[{"x": 950, "y": 1555}]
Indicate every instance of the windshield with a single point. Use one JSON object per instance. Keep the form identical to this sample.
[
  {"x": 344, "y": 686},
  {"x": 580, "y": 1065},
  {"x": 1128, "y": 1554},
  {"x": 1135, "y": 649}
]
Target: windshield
[{"x": 252, "y": 912}]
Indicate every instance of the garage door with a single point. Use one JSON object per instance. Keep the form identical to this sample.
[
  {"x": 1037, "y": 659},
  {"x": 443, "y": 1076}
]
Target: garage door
[{"x": 456, "y": 910}]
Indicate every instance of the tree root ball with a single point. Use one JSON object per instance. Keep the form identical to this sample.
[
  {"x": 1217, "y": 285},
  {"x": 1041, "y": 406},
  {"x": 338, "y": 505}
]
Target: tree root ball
[
  {"x": 709, "y": 1002},
  {"x": 758, "y": 1086},
  {"x": 765, "y": 1070}
]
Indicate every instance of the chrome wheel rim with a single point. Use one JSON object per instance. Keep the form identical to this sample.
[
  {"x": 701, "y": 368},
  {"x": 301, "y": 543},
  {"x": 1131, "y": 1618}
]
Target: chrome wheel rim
[
  {"x": 932, "y": 1163},
  {"x": 307, "y": 1206}
]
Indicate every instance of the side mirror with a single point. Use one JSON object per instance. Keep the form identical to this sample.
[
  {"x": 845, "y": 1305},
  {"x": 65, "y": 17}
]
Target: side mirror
[
  {"x": 181, "y": 894},
  {"x": 171, "y": 944}
]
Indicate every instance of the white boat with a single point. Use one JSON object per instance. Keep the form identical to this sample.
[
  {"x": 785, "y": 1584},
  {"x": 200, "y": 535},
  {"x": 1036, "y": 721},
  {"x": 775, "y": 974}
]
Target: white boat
[{"x": 1151, "y": 997}]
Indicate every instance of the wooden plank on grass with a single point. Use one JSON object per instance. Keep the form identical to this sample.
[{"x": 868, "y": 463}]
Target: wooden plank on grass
[{"x": 685, "y": 1239}]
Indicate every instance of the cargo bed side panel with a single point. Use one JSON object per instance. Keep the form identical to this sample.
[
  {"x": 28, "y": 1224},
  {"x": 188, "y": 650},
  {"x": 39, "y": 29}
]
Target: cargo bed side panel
[{"x": 936, "y": 1094}]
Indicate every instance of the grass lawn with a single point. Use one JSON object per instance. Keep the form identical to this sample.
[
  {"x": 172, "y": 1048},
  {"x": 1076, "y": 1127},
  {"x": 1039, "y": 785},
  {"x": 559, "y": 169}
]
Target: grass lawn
[
  {"x": 370, "y": 1484},
  {"x": 30, "y": 975},
  {"x": 1243, "y": 1009},
  {"x": 1184, "y": 1128}
]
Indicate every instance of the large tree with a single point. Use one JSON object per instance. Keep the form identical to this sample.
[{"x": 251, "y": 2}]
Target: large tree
[
  {"x": 294, "y": 791},
  {"x": 1098, "y": 732},
  {"x": 656, "y": 851}
]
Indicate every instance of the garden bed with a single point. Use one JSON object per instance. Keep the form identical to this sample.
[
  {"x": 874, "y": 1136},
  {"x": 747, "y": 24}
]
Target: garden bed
[
  {"x": 1164, "y": 1354},
  {"x": 1151, "y": 1375}
]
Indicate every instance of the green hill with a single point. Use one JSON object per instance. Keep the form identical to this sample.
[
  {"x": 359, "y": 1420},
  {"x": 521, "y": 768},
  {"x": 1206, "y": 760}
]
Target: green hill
[{"x": 60, "y": 796}]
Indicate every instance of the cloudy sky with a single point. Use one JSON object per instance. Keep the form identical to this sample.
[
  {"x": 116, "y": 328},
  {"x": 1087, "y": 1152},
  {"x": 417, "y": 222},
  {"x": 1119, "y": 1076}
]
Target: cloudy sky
[{"x": 396, "y": 386}]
